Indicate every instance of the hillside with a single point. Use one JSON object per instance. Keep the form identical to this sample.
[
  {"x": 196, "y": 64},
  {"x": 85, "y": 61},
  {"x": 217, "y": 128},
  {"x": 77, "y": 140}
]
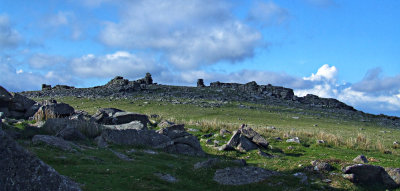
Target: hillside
[{"x": 303, "y": 143}]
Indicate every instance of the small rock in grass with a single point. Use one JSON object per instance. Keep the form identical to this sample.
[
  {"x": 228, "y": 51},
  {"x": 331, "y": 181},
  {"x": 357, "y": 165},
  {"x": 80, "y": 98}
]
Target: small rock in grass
[
  {"x": 360, "y": 159},
  {"x": 320, "y": 142},
  {"x": 166, "y": 177},
  {"x": 293, "y": 140},
  {"x": 208, "y": 135}
]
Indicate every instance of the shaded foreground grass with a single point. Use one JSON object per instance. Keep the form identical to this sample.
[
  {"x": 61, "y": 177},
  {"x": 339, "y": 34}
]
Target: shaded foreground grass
[{"x": 99, "y": 169}]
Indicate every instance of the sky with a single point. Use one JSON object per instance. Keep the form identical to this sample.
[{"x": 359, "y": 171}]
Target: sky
[{"x": 347, "y": 50}]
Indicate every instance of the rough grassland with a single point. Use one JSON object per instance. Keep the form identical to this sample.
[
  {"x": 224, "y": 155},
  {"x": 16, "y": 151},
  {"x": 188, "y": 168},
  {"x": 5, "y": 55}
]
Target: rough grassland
[{"x": 99, "y": 169}]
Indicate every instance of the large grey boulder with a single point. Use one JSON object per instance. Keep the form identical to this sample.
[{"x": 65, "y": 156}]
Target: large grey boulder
[
  {"x": 246, "y": 139},
  {"x": 184, "y": 142},
  {"x": 51, "y": 109},
  {"x": 242, "y": 175},
  {"x": 14, "y": 105},
  {"x": 245, "y": 144},
  {"x": 394, "y": 173},
  {"x": 71, "y": 133},
  {"x": 22, "y": 171},
  {"x": 365, "y": 174},
  {"x": 207, "y": 164},
  {"x": 55, "y": 142},
  {"x": 112, "y": 116},
  {"x": 133, "y": 137},
  {"x": 131, "y": 125}
]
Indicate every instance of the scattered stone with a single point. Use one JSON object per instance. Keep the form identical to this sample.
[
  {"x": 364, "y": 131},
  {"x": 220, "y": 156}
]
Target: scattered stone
[
  {"x": 222, "y": 132},
  {"x": 242, "y": 175},
  {"x": 207, "y": 164},
  {"x": 290, "y": 148},
  {"x": 321, "y": 166},
  {"x": 302, "y": 176},
  {"x": 209, "y": 141},
  {"x": 293, "y": 140},
  {"x": 193, "y": 130},
  {"x": 234, "y": 140},
  {"x": 131, "y": 151},
  {"x": 319, "y": 142},
  {"x": 216, "y": 143},
  {"x": 365, "y": 174},
  {"x": 278, "y": 139},
  {"x": 360, "y": 159},
  {"x": 396, "y": 144},
  {"x": 54, "y": 142},
  {"x": 208, "y": 135},
  {"x": 295, "y": 117},
  {"x": 166, "y": 177},
  {"x": 121, "y": 156},
  {"x": 21, "y": 170},
  {"x": 165, "y": 123},
  {"x": 315, "y": 125},
  {"x": 270, "y": 128}
]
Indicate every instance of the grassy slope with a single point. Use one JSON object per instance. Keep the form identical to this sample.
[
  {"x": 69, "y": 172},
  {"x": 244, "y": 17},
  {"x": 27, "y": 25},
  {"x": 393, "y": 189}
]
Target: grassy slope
[{"x": 138, "y": 174}]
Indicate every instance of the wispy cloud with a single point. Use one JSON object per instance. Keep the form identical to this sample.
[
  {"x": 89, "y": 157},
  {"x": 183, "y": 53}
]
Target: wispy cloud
[
  {"x": 9, "y": 37},
  {"x": 267, "y": 13}
]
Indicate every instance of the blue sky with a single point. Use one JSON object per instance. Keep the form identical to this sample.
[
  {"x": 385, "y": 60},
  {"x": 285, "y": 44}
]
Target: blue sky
[{"x": 348, "y": 50}]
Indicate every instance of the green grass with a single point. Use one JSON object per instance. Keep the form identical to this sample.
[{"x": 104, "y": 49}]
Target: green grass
[{"x": 344, "y": 139}]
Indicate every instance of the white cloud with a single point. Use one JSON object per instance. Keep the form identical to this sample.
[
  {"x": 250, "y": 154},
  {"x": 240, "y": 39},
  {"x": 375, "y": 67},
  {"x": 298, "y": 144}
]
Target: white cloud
[
  {"x": 325, "y": 72},
  {"x": 45, "y": 61},
  {"x": 9, "y": 37},
  {"x": 374, "y": 83},
  {"x": 20, "y": 71},
  {"x": 267, "y": 13},
  {"x": 120, "y": 63},
  {"x": 64, "y": 22},
  {"x": 188, "y": 34},
  {"x": 61, "y": 18}
]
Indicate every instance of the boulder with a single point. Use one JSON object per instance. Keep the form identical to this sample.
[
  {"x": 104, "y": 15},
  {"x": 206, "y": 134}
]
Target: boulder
[
  {"x": 135, "y": 137},
  {"x": 226, "y": 147},
  {"x": 234, "y": 140},
  {"x": 366, "y": 175},
  {"x": 184, "y": 142},
  {"x": 321, "y": 166},
  {"x": 131, "y": 125},
  {"x": 71, "y": 134},
  {"x": 14, "y": 105},
  {"x": 222, "y": 132},
  {"x": 55, "y": 142},
  {"x": 360, "y": 159},
  {"x": 245, "y": 144},
  {"x": 112, "y": 116},
  {"x": 23, "y": 171},
  {"x": 242, "y": 175},
  {"x": 394, "y": 173},
  {"x": 166, "y": 177},
  {"x": 51, "y": 109}
]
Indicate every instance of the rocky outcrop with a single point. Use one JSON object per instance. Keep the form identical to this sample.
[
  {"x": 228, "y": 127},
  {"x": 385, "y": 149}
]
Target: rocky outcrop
[
  {"x": 14, "y": 105},
  {"x": 245, "y": 139},
  {"x": 365, "y": 174},
  {"x": 51, "y": 109},
  {"x": 242, "y": 175},
  {"x": 316, "y": 101},
  {"x": 200, "y": 83},
  {"x": 20, "y": 170}
]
